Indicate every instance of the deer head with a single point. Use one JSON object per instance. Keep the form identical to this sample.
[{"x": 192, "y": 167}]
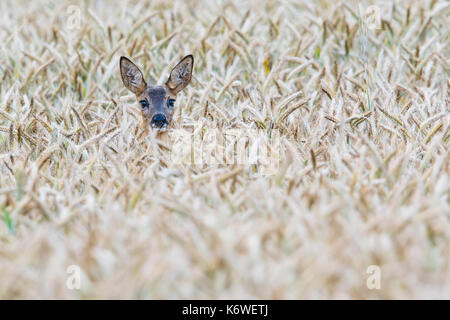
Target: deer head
[{"x": 157, "y": 101}]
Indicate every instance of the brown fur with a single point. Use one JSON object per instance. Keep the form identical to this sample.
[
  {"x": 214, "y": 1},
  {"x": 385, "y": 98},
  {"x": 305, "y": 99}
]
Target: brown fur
[{"x": 156, "y": 96}]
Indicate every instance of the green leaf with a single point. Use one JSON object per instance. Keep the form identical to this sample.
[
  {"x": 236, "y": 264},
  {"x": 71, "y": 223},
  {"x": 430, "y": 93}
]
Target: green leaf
[
  {"x": 8, "y": 220},
  {"x": 317, "y": 53}
]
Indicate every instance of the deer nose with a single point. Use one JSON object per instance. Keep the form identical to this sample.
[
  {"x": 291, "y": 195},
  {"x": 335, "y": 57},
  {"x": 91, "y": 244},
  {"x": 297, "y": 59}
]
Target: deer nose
[{"x": 159, "y": 120}]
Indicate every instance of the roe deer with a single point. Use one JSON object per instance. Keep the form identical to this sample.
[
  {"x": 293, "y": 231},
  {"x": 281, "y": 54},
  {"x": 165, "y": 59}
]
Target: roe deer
[{"x": 157, "y": 101}]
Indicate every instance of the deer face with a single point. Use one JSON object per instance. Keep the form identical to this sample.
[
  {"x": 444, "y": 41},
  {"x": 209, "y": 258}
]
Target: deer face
[{"x": 157, "y": 101}]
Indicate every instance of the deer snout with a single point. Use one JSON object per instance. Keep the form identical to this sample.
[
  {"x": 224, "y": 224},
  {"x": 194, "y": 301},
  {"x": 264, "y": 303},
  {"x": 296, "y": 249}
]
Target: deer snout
[{"x": 159, "y": 121}]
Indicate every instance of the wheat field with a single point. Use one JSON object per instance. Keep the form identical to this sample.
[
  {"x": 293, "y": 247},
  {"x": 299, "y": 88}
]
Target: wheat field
[{"x": 363, "y": 176}]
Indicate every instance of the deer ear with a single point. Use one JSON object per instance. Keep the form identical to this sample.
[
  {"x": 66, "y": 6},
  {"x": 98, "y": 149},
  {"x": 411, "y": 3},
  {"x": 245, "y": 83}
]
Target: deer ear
[
  {"x": 180, "y": 76},
  {"x": 131, "y": 76}
]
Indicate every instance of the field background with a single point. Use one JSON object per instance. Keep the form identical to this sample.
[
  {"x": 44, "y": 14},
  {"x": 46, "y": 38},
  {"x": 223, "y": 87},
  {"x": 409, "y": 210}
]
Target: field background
[{"x": 363, "y": 180}]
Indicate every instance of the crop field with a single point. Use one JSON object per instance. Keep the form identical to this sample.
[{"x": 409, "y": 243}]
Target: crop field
[{"x": 356, "y": 205}]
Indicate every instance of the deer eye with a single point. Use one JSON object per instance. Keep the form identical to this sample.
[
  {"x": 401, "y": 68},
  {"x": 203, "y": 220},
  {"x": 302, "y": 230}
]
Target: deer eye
[
  {"x": 170, "y": 103},
  {"x": 144, "y": 104}
]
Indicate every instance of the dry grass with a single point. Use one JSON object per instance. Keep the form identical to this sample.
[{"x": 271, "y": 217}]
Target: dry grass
[{"x": 364, "y": 172}]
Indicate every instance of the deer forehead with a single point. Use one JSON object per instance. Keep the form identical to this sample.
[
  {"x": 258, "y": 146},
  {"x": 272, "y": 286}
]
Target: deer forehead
[{"x": 156, "y": 94}]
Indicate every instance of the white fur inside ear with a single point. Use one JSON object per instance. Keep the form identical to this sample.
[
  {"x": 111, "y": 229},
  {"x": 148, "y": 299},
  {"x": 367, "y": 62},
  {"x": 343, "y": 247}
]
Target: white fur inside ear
[
  {"x": 131, "y": 76},
  {"x": 180, "y": 76},
  {"x": 134, "y": 76},
  {"x": 182, "y": 72}
]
